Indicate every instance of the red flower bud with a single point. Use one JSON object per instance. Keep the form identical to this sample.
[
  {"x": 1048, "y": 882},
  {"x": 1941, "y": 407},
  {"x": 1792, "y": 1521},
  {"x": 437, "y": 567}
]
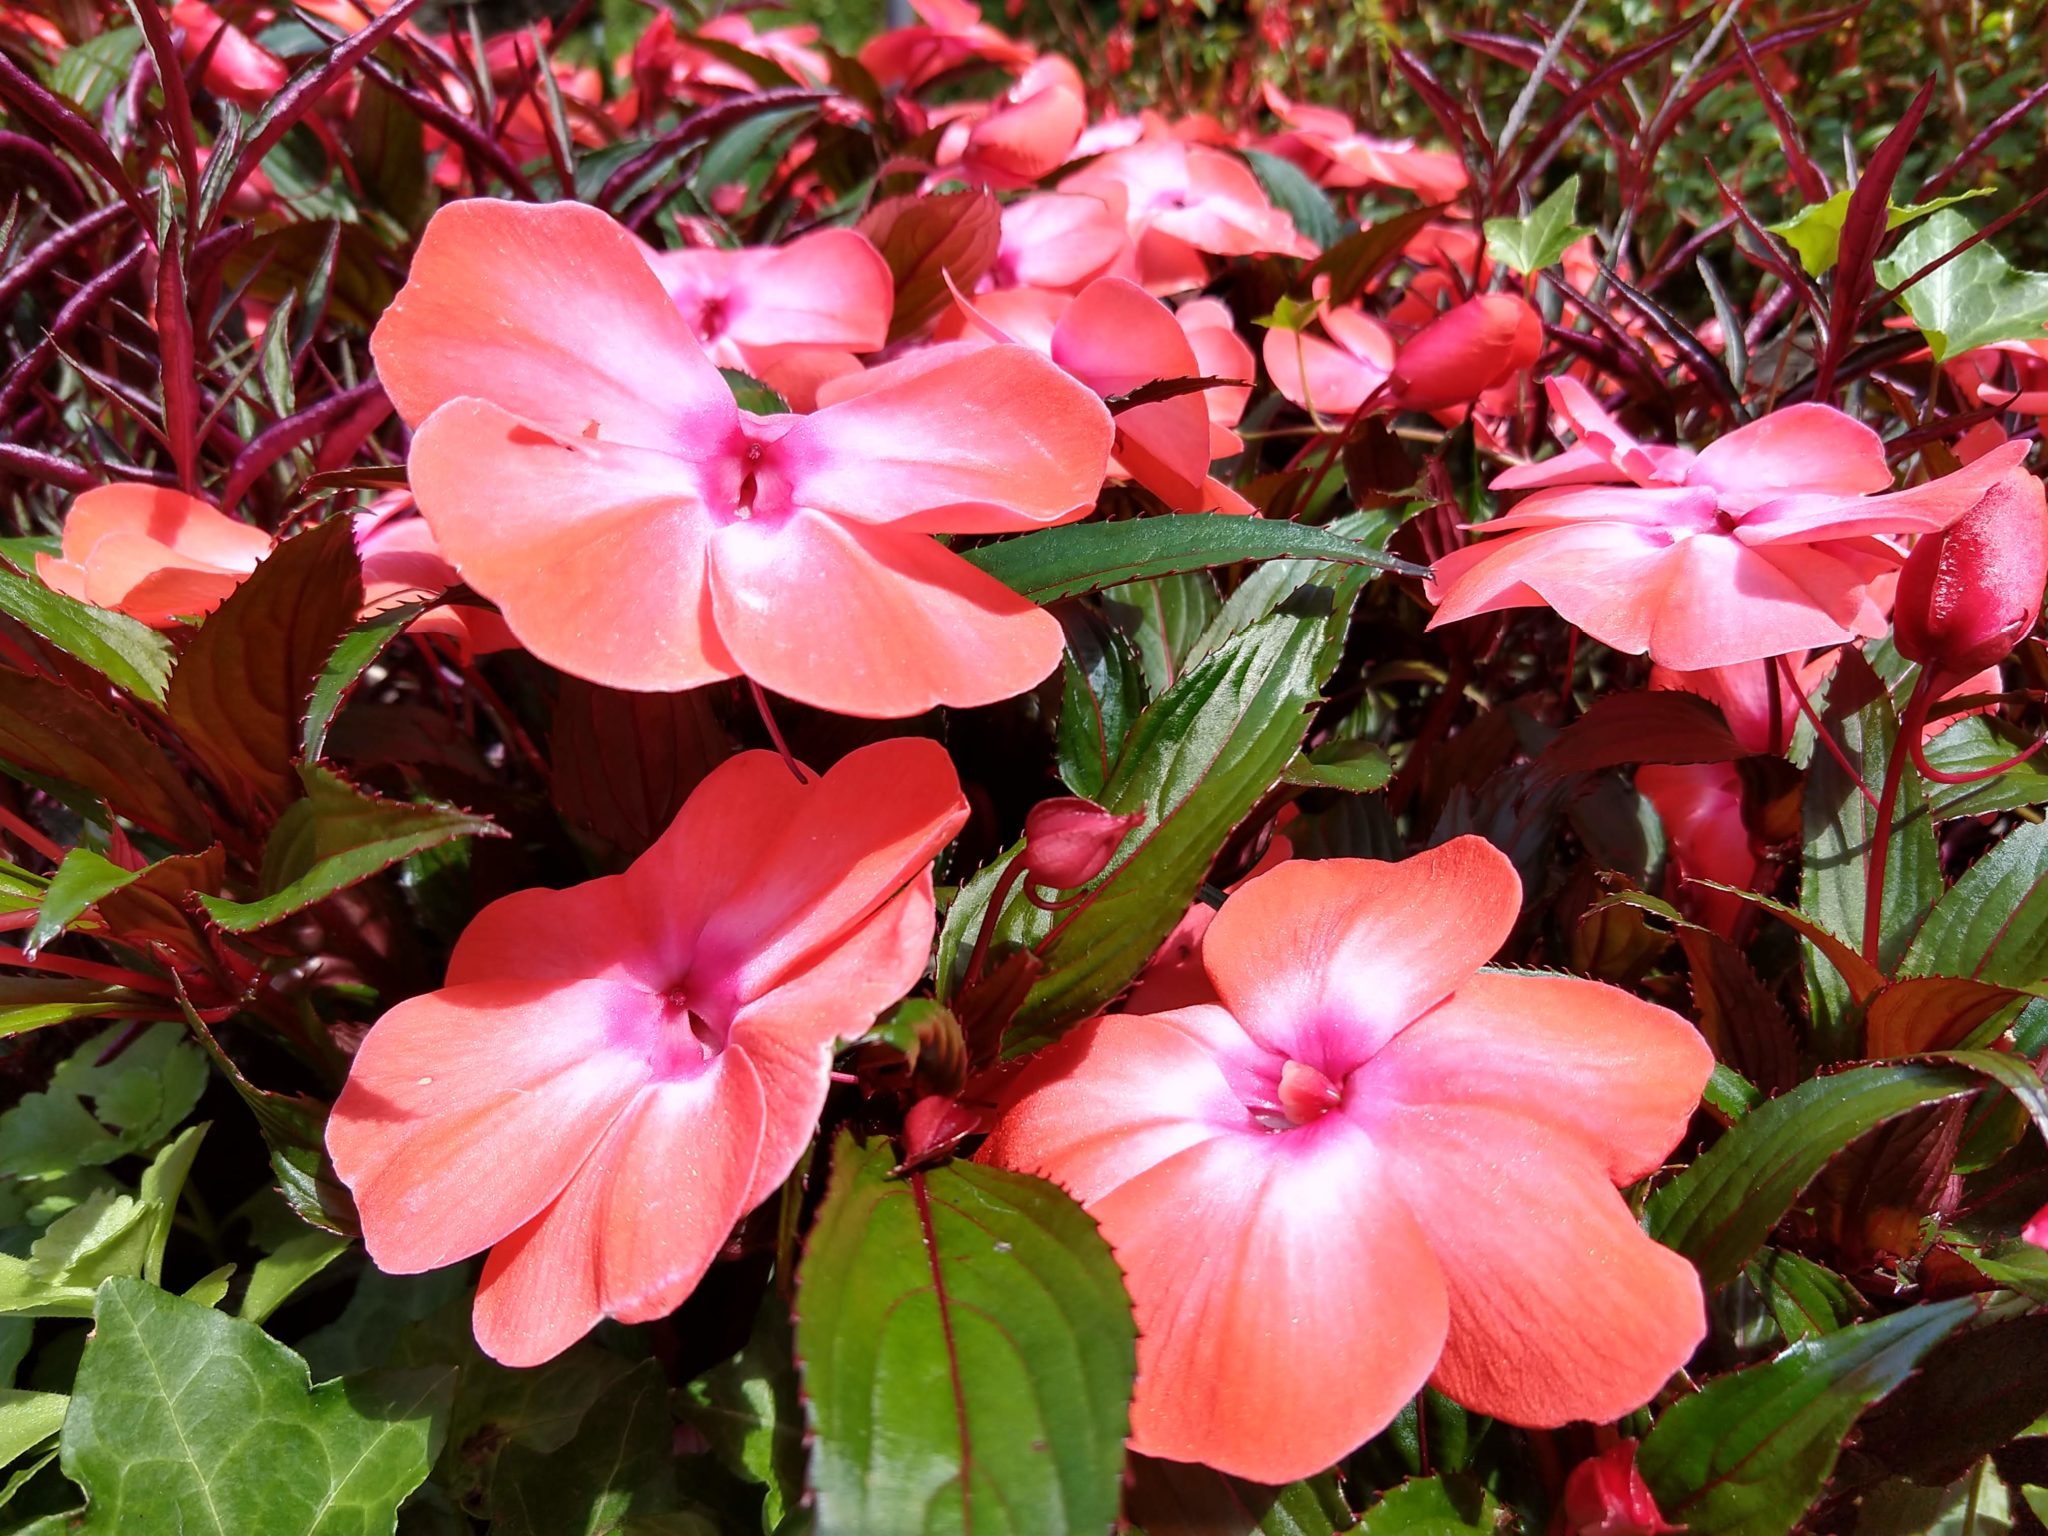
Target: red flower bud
[
  {"x": 1069, "y": 841},
  {"x": 1972, "y": 591},
  {"x": 1606, "y": 1496},
  {"x": 934, "y": 1126},
  {"x": 1466, "y": 351}
]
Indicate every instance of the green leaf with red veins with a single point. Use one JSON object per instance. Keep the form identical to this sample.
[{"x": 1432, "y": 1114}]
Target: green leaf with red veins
[
  {"x": 1753, "y": 1449},
  {"x": 967, "y": 1354}
]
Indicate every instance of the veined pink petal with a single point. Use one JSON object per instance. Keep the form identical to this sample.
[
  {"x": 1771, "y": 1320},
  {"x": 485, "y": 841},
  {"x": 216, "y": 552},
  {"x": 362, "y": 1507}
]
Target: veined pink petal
[
  {"x": 1220, "y": 353},
  {"x": 988, "y": 441},
  {"x": 561, "y": 533},
  {"x": 1287, "y": 1302},
  {"x": 1918, "y": 509},
  {"x": 1579, "y": 464},
  {"x": 1799, "y": 448},
  {"x": 1317, "y": 376},
  {"x": 1724, "y": 603},
  {"x": 1604, "y": 577},
  {"x": 1115, "y": 338},
  {"x": 1324, "y": 961},
  {"x": 872, "y": 621},
  {"x": 183, "y": 524},
  {"x": 151, "y": 582},
  {"x": 550, "y": 312},
  {"x": 1621, "y": 1075},
  {"x": 635, "y": 1229},
  {"x": 1032, "y": 132},
  {"x": 1058, "y": 240},
  {"x": 450, "y": 1083},
  {"x": 1679, "y": 509},
  {"x": 1561, "y": 1307}
]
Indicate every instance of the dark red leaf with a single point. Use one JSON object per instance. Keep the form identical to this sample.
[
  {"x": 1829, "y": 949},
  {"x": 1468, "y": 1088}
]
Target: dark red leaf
[
  {"x": 1665, "y": 726},
  {"x": 59, "y": 733},
  {"x": 926, "y": 240}
]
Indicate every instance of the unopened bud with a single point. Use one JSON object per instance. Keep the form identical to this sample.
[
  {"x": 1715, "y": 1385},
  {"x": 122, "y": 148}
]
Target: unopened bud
[
  {"x": 1606, "y": 1496},
  {"x": 934, "y": 1126},
  {"x": 1466, "y": 351},
  {"x": 1971, "y": 592},
  {"x": 1069, "y": 841}
]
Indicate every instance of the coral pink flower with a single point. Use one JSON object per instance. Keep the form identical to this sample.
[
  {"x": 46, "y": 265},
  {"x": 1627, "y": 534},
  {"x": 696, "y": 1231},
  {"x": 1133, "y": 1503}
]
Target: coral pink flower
[
  {"x": 615, "y": 1074},
  {"x": 1467, "y": 350},
  {"x": 237, "y": 68},
  {"x": 770, "y": 311},
  {"x": 1331, "y": 378},
  {"x": 1324, "y": 143},
  {"x": 583, "y": 465},
  {"x": 1769, "y": 541},
  {"x": 402, "y": 564},
  {"x": 1026, "y": 133},
  {"x": 1220, "y": 353},
  {"x": 1182, "y": 200},
  {"x": 1370, "y": 1166},
  {"x": 1114, "y": 337},
  {"x": 154, "y": 554},
  {"x": 1057, "y": 240},
  {"x": 952, "y": 34}
]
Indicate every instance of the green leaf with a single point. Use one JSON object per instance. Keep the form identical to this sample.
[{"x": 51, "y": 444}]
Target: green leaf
[
  {"x": 1200, "y": 758},
  {"x": 752, "y": 395},
  {"x": 1432, "y": 1506},
  {"x": 1165, "y": 619},
  {"x": 27, "y": 1419},
  {"x": 240, "y": 692},
  {"x": 1102, "y": 693},
  {"x": 92, "y": 71},
  {"x": 1978, "y": 743},
  {"x": 127, "y": 652},
  {"x": 82, "y": 879},
  {"x": 34, "y": 1002},
  {"x": 1295, "y": 195},
  {"x": 135, "y": 1101},
  {"x": 1840, "y": 827},
  {"x": 185, "y": 1419},
  {"x": 1978, "y": 1389},
  {"x": 1970, "y": 302},
  {"x": 616, "y": 1469},
  {"x": 749, "y": 1409},
  {"x": 1357, "y": 767},
  {"x": 351, "y": 658},
  {"x": 1815, "y": 232},
  {"x": 1806, "y": 1298},
  {"x": 1530, "y": 244},
  {"x": 333, "y": 837},
  {"x": 1184, "y": 1498},
  {"x": 279, "y": 1274},
  {"x": 1992, "y": 924},
  {"x": 1751, "y": 1451},
  {"x": 1073, "y": 558},
  {"x": 103, "y": 1237},
  {"x": 967, "y": 1352},
  {"x": 1719, "y": 1211}
]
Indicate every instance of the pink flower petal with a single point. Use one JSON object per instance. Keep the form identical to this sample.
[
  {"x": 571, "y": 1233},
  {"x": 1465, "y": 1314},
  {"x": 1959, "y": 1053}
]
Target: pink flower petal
[
  {"x": 550, "y": 312},
  {"x": 1620, "y": 1074},
  {"x": 829, "y": 288},
  {"x": 1561, "y": 1307},
  {"x": 1800, "y": 448},
  {"x": 1325, "y": 961},
  {"x": 988, "y": 441},
  {"x": 1317, "y": 376},
  {"x": 594, "y": 550},
  {"x": 1918, "y": 509},
  {"x": 874, "y": 621}
]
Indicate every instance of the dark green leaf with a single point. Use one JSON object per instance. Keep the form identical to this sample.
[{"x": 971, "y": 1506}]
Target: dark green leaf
[
  {"x": 1432, "y": 1506},
  {"x": 615, "y": 1470},
  {"x": 1976, "y": 1390},
  {"x": 184, "y": 1419},
  {"x": 1182, "y": 1498},
  {"x": 749, "y": 1409},
  {"x": 1992, "y": 924},
  {"x": 1102, "y": 693},
  {"x": 240, "y": 692},
  {"x": 1975, "y": 300},
  {"x": 1358, "y": 767},
  {"x": 1977, "y": 743},
  {"x": 967, "y": 1352},
  {"x": 1719, "y": 1211},
  {"x": 359, "y": 648},
  {"x": 33, "y": 1002},
  {"x": 1201, "y": 757},
  {"x": 1538, "y": 239},
  {"x": 82, "y": 879},
  {"x": 334, "y": 837},
  {"x": 93, "y": 70},
  {"x": 1086, "y": 557},
  {"x": 127, "y": 652},
  {"x": 1750, "y": 1452},
  {"x": 1296, "y": 196},
  {"x": 1166, "y": 618},
  {"x": 1806, "y": 1298}
]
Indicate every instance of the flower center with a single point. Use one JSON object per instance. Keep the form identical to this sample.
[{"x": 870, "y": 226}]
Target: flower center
[
  {"x": 685, "y": 1040},
  {"x": 1305, "y": 1095}
]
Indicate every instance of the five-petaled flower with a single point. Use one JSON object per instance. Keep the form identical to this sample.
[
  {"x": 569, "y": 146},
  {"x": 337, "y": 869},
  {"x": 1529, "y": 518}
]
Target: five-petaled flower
[
  {"x": 583, "y": 465},
  {"x": 614, "y": 1074},
  {"x": 1371, "y": 1164}
]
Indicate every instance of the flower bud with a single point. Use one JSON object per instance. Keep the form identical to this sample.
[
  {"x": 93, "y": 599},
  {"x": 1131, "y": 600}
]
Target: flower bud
[
  {"x": 935, "y": 1126},
  {"x": 1069, "y": 841},
  {"x": 1972, "y": 591},
  {"x": 1606, "y": 1496},
  {"x": 1466, "y": 351}
]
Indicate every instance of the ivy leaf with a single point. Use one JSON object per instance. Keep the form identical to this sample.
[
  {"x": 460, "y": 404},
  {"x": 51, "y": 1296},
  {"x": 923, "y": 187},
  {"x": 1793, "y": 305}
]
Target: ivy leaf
[
  {"x": 967, "y": 1353},
  {"x": 1752, "y": 1450},
  {"x": 333, "y": 837},
  {"x": 125, "y": 651},
  {"x": 615, "y": 1470},
  {"x": 27, "y": 1419},
  {"x": 1992, "y": 924},
  {"x": 1074, "y": 558},
  {"x": 1815, "y": 232},
  {"x": 95, "y": 1111},
  {"x": 1970, "y": 302},
  {"x": 280, "y": 1273},
  {"x": 239, "y": 694},
  {"x": 1537, "y": 240},
  {"x": 1296, "y": 196},
  {"x": 185, "y": 1419},
  {"x": 1199, "y": 759},
  {"x": 1719, "y": 1211}
]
